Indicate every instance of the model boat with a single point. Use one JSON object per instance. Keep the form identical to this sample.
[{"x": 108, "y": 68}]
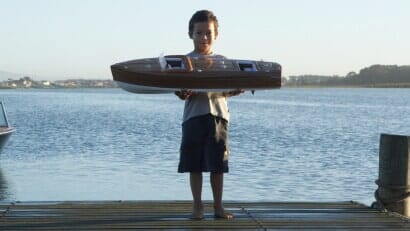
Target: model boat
[{"x": 210, "y": 74}]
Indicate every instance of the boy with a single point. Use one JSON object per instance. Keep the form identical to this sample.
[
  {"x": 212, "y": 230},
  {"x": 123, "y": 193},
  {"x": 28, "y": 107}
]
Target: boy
[{"x": 204, "y": 146}]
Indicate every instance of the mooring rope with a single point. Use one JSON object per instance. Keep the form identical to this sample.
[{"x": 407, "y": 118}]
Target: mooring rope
[{"x": 381, "y": 203}]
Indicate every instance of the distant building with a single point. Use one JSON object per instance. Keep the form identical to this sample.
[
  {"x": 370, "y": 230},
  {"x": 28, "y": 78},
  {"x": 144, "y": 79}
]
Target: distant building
[
  {"x": 26, "y": 81},
  {"x": 46, "y": 83},
  {"x": 70, "y": 84}
]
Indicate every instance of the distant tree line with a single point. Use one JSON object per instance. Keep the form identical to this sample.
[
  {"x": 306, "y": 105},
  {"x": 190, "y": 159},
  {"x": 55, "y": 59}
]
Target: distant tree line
[{"x": 373, "y": 76}]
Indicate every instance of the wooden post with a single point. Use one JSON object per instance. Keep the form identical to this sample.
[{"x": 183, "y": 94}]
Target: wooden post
[{"x": 393, "y": 193}]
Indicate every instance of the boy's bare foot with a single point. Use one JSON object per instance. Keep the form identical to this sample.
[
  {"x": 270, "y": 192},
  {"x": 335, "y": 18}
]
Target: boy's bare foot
[
  {"x": 197, "y": 212},
  {"x": 220, "y": 213}
]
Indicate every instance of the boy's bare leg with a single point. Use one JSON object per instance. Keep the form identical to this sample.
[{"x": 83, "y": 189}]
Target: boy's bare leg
[
  {"x": 217, "y": 189},
  {"x": 196, "y": 188}
]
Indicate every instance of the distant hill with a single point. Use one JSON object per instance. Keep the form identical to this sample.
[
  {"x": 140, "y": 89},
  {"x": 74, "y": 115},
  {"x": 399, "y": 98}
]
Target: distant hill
[{"x": 373, "y": 76}]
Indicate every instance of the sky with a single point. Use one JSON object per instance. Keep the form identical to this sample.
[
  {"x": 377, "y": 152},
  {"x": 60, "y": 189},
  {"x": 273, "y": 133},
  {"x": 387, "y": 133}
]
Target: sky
[{"x": 61, "y": 39}]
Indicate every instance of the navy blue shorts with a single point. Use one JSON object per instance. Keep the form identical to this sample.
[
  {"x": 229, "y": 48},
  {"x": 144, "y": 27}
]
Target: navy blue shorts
[{"x": 204, "y": 146}]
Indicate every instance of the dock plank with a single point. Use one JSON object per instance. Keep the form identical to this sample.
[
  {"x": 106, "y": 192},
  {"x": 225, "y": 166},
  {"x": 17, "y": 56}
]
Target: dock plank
[{"x": 112, "y": 215}]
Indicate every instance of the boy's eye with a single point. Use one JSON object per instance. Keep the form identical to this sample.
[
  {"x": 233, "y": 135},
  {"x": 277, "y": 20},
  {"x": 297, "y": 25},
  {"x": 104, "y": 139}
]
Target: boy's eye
[{"x": 208, "y": 33}]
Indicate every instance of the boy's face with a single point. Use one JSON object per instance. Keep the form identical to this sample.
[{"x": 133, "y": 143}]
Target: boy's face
[{"x": 204, "y": 36}]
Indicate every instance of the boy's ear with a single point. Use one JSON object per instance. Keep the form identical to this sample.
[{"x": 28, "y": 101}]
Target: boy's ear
[{"x": 189, "y": 35}]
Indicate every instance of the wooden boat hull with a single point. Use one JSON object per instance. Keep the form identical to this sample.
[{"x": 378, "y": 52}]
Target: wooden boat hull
[{"x": 147, "y": 75}]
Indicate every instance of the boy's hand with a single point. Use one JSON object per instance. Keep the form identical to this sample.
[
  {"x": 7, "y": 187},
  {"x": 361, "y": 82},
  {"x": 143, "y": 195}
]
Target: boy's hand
[
  {"x": 234, "y": 93},
  {"x": 184, "y": 94}
]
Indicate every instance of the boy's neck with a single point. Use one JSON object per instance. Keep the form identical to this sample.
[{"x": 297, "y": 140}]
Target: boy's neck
[{"x": 203, "y": 53}]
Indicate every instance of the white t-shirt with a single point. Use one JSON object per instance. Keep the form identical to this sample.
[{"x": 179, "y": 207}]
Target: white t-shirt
[{"x": 202, "y": 103}]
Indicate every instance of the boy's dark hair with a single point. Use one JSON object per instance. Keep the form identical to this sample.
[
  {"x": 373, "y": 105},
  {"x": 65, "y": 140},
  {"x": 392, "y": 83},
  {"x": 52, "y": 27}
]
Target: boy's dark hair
[{"x": 202, "y": 16}]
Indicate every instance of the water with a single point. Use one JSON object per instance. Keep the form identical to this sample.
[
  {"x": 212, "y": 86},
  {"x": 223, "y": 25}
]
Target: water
[{"x": 286, "y": 145}]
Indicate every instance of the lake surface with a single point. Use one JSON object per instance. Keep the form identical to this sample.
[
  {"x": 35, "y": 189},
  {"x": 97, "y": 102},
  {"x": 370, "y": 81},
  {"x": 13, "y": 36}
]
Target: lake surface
[{"x": 285, "y": 145}]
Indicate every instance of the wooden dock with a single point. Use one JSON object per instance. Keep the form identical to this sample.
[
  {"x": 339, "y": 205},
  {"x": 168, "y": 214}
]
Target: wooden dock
[{"x": 132, "y": 215}]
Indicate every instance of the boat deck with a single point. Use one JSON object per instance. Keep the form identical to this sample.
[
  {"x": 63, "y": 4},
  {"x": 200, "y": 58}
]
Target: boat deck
[{"x": 112, "y": 215}]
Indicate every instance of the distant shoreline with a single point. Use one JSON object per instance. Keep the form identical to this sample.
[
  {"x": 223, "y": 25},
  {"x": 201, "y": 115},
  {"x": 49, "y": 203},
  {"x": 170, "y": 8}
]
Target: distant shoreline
[
  {"x": 349, "y": 86},
  {"x": 407, "y": 85},
  {"x": 285, "y": 86},
  {"x": 375, "y": 76},
  {"x": 27, "y": 82}
]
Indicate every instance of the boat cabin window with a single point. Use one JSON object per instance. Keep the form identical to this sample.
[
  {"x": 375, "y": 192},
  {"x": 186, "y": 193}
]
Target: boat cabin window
[
  {"x": 175, "y": 63},
  {"x": 247, "y": 66}
]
